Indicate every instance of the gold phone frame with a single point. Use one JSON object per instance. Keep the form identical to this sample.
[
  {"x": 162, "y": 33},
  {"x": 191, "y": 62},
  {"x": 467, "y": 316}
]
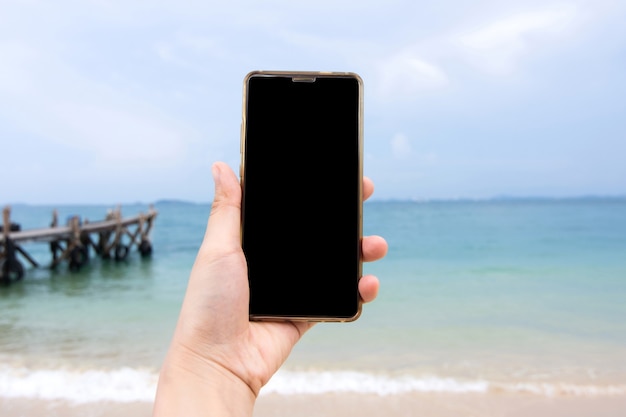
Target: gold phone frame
[{"x": 305, "y": 76}]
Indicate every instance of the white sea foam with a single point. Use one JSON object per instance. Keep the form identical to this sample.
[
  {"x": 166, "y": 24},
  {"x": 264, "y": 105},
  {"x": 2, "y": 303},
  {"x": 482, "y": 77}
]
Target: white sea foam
[
  {"x": 289, "y": 383},
  {"x": 285, "y": 382},
  {"x": 120, "y": 385},
  {"x": 129, "y": 385}
]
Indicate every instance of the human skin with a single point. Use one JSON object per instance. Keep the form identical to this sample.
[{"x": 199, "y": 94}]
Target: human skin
[{"x": 218, "y": 359}]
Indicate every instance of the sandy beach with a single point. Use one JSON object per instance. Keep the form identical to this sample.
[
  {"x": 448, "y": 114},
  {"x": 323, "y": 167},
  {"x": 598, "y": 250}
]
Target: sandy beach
[
  {"x": 438, "y": 405},
  {"x": 340, "y": 405}
]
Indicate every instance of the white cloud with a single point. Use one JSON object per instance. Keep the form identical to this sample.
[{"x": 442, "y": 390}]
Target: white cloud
[
  {"x": 406, "y": 74},
  {"x": 53, "y": 100},
  {"x": 190, "y": 51},
  {"x": 15, "y": 56},
  {"x": 400, "y": 146},
  {"x": 497, "y": 46},
  {"x": 118, "y": 135}
]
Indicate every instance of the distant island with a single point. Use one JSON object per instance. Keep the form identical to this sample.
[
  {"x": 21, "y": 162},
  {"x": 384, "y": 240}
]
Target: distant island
[
  {"x": 173, "y": 201},
  {"x": 501, "y": 198}
]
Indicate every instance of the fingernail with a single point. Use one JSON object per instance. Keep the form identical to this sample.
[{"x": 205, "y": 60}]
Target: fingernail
[{"x": 216, "y": 173}]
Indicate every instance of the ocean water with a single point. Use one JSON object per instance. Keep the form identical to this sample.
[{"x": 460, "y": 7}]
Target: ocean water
[{"x": 476, "y": 297}]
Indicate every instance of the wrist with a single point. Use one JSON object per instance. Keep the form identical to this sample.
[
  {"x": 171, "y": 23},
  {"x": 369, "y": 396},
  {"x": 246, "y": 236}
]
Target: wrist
[{"x": 190, "y": 386}]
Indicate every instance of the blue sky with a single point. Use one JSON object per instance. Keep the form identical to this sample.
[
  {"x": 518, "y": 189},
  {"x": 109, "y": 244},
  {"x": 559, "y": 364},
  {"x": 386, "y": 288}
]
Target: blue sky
[{"x": 123, "y": 101}]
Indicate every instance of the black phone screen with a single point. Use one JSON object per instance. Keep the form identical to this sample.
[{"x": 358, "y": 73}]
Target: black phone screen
[{"x": 302, "y": 196}]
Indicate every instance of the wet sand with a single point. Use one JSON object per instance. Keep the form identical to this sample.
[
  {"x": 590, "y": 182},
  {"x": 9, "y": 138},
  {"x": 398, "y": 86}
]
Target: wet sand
[
  {"x": 439, "y": 405},
  {"x": 341, "y": 405}
]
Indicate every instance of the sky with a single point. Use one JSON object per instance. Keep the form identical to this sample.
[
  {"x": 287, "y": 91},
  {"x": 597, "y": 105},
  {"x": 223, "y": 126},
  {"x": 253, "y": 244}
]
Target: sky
[{"x": 113, "y": 102}]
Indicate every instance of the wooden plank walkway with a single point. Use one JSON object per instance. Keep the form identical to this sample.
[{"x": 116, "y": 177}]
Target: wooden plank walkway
[
  {"x": 112, "y": 237},
  {"x": 50, "y": 234}
]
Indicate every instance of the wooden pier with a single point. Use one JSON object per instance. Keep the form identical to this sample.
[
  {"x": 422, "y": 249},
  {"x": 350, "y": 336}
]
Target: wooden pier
[{"x": 111, "y": 238}]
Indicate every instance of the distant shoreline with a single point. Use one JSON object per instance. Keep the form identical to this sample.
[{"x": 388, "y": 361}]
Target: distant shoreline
[
  {"x": 504, "y": 199},
  {"x": 167, "y": 201}
]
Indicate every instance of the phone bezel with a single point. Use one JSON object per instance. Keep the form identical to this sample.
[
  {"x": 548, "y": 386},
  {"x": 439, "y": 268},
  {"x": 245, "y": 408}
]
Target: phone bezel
[{"x": 305, "y": 75}]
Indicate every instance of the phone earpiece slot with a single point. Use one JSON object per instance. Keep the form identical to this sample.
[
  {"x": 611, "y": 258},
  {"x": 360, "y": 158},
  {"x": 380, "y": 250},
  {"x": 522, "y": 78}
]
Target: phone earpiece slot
[{"x": 303, "y": 79}]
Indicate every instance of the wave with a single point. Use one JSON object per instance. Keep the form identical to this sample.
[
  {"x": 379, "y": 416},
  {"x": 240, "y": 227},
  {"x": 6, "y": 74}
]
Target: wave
[
  {"x": 79, "y": 386},
  {"x": 288, "y": 383},
  {"x": 139, "y": 385}
]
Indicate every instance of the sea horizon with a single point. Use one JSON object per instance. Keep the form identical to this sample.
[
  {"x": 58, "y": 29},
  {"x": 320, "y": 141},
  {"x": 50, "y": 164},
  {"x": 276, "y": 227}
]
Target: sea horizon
[{"x": 374, "y": 199}]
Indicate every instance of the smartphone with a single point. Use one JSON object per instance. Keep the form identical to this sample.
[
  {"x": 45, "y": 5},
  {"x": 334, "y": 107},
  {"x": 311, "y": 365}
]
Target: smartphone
[{"x": 302, "y": 194}]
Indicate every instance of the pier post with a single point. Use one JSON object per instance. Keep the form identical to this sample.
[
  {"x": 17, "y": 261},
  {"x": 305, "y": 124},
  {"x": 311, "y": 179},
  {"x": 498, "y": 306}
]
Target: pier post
[
  {"x": 55, "y": 248},
  {"x": 79, "y": 254},
  {"x": 11, "y": 269},
  {"x": 145, "y": 247},
  {"x": 6, "y": 221}
]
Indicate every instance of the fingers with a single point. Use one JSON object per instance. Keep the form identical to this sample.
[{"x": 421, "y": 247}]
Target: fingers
[
  {"x": 373, "y": 248},
  {"x": 368, "y": 188},
  {"x": 224, "y": 228},
  {"x": 368, "y": 288}
]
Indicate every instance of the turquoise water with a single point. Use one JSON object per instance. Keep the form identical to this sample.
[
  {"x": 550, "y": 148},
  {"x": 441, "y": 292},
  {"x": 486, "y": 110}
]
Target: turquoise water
[{"x": 476, "y": 296}]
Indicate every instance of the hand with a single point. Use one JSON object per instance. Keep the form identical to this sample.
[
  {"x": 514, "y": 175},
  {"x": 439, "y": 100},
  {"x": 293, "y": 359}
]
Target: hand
[{"x": 218, "y": 359}]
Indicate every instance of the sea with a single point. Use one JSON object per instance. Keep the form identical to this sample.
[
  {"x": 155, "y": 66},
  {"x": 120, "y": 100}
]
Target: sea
[{"x": 490, "y": 296}]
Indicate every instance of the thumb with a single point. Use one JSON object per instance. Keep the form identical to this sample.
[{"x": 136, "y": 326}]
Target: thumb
[{"x": 223, "y": 232}]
